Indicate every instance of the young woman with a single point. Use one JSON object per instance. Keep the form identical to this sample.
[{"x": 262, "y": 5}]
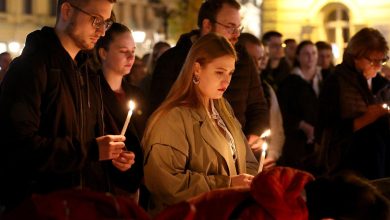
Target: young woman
[
  {"x": 193, "y": 143},
  {"x": 298, "y": 99},
  {"x": 115, "y": 52}
]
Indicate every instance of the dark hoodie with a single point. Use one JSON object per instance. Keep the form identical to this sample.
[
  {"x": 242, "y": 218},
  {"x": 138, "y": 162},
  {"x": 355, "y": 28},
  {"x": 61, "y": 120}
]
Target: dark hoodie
[{"x": 50, "y": 114}]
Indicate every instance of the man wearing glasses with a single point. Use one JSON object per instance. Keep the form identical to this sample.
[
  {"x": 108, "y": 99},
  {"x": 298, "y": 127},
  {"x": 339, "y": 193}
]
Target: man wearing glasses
[
  {"x": 50, "y": 111},
  {"x": 244, "y": 93}
]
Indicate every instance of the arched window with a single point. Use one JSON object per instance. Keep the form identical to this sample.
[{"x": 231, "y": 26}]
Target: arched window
[
  {"x": 3, "y": 5},
  {"x": 337, "y": 25},
  {"x": 27, "y": 7},
  {"x": 53, "y": 7}
]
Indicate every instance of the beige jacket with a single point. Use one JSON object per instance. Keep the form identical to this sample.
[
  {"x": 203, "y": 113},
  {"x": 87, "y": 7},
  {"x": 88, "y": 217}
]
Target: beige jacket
[{"x": 187, "y": 155}]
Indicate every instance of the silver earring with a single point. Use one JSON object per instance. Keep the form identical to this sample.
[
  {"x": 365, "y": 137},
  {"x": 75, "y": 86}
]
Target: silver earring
[{"x": 195, "y": 79}]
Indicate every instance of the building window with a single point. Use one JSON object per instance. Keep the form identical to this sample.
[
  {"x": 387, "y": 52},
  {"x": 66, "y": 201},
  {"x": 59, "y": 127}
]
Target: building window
[
  {"x": 3, "y": 5},
  {"x": 53, "y": 7},
  {"x": 337, "y": 26},
  {"x": 27, "y": 7}
]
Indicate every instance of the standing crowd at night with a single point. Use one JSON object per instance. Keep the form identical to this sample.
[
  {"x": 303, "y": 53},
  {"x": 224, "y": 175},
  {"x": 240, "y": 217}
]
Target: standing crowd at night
[{"x": 193, "y": 147}]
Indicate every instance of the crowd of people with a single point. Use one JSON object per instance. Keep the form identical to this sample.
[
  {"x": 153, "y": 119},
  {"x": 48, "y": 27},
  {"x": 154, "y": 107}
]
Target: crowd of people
[{"x": 201, "y": 108}]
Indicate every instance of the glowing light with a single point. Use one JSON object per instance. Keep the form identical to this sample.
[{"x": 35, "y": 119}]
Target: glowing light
[
  {"x": 14, "y": 47},
  {"x": 139, "y": 36},
  {"x": 3, "y": 47}
]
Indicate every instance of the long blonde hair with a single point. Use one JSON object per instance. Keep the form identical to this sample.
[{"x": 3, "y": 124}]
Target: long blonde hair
[{"x": 184, "y": 92}]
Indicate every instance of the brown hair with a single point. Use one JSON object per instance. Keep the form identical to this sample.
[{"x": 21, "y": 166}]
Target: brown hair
[
  {"x": 364, "y": 42},
  {"x": 210, "y": 8},
  {"x": 299, "y": 48},
  {"x": 75, "y": 2},
  {"x": 245, "y": 38},
  {"x": 184, "y": 92}
]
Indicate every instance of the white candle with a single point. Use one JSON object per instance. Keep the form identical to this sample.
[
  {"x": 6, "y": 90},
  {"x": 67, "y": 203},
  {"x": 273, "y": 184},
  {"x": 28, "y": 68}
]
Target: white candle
[
  {"x": 262, "y": 157},
  {"x": 131, "y": 108},
  {"x": 264, "y": 147}
]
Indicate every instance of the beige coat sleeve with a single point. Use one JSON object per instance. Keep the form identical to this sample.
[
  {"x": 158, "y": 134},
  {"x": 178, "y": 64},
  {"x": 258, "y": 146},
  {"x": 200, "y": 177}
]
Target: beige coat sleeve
[{"x": 167, "y": 178}]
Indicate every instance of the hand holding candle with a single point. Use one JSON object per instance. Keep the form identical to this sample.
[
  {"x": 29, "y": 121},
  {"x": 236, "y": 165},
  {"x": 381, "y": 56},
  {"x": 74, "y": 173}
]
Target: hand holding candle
[{"x": 131, "y": 108}]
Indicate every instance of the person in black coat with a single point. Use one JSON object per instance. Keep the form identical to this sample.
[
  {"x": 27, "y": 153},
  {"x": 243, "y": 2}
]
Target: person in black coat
[
  {"x": 354, "y": 129},
  {"x": 116, "y": 54},
  {"x": 244, "y": 94},
  {"x": 50, "y": 110},
  {"x": 298, "y": 99}
]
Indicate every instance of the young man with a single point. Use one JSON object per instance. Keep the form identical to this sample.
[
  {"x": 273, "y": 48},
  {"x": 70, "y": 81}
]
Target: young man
[
  {"x": 245, "y": 93},
  {"x": 50, "y": 111},
  {"x": 278, "y": 68}
]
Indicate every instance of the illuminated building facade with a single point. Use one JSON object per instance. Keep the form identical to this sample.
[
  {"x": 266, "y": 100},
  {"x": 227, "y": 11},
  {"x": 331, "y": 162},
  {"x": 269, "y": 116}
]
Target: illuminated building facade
[
  {"x": 20, "y": 17},
  {"x": 334, "y": 21}
]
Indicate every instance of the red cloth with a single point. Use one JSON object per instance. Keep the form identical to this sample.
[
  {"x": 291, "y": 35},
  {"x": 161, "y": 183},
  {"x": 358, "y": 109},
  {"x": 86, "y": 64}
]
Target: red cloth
[
  {"x": 278, "y": 191},
  {"x": 274, "y": 194}
]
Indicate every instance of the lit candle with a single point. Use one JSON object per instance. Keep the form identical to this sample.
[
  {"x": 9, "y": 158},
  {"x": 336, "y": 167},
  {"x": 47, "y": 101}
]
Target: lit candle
[
  {"x": 386, "y": 106},
  {"x": 262, "y": 157},
  {"x": 131, "y": 108},
  {"x": 264, "y": 147},
  {"x": 265, "y": 134}
]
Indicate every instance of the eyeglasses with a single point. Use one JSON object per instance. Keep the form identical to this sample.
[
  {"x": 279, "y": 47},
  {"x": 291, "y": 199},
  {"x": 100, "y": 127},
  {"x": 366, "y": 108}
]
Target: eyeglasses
[
  {"x": 97, "y": 22},
  {"x": 377, "y": 62},
  {"x": 231, "y": 29}
]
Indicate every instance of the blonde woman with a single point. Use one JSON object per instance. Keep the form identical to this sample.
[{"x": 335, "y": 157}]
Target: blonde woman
[{"x": 193, "y": 143}]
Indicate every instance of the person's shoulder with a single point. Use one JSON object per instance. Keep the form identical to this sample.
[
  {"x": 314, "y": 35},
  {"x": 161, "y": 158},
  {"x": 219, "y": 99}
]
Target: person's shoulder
[{"x": 170, "y": 126}]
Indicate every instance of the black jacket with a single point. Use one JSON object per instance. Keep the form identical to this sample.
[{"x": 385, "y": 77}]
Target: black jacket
[
  {"x": 245, "y": 93},
  {"x": 345, "y": 97},
  {"x": 298, "y": 102},
  {"x": 115, "y": 114},
  {"x": 50, "y": 114}
]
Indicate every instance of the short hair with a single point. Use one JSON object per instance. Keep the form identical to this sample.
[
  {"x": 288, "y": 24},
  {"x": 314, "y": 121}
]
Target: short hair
[
  {"x": 289, "y": 40},
  {"x": 245, "y": 38},
  {"x": 6, "y": 53},
  {"x": 210, "y": 8},
  {"x": 268, "y": 35},
  {"x": 365, "y": 41},
  {"x": 77, "y": 2},
  {"x": 322, "y": 45}
]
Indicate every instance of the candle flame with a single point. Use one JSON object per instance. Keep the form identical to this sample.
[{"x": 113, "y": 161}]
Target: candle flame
[
  {"x": 264, "y": 146},
  {"x": 266, "y": 133},
  {"x": 131, "y": 105},
  {"x": 385, "y": 106}
]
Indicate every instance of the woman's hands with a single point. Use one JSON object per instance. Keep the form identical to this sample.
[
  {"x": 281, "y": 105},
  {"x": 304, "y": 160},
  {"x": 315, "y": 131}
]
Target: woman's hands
[
  {"x": 243, "y": 180},
  {"x": 125, "y": 160},
  {"x": 111, "y": 148}
]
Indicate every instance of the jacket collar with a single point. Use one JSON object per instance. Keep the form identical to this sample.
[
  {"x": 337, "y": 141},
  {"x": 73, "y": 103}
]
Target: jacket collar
[{"x": 218, "y": 142}]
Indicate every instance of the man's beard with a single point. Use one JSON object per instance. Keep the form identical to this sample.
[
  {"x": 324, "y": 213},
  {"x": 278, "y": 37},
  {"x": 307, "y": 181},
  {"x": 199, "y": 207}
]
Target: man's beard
[{"x": 77, "y": 40}]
